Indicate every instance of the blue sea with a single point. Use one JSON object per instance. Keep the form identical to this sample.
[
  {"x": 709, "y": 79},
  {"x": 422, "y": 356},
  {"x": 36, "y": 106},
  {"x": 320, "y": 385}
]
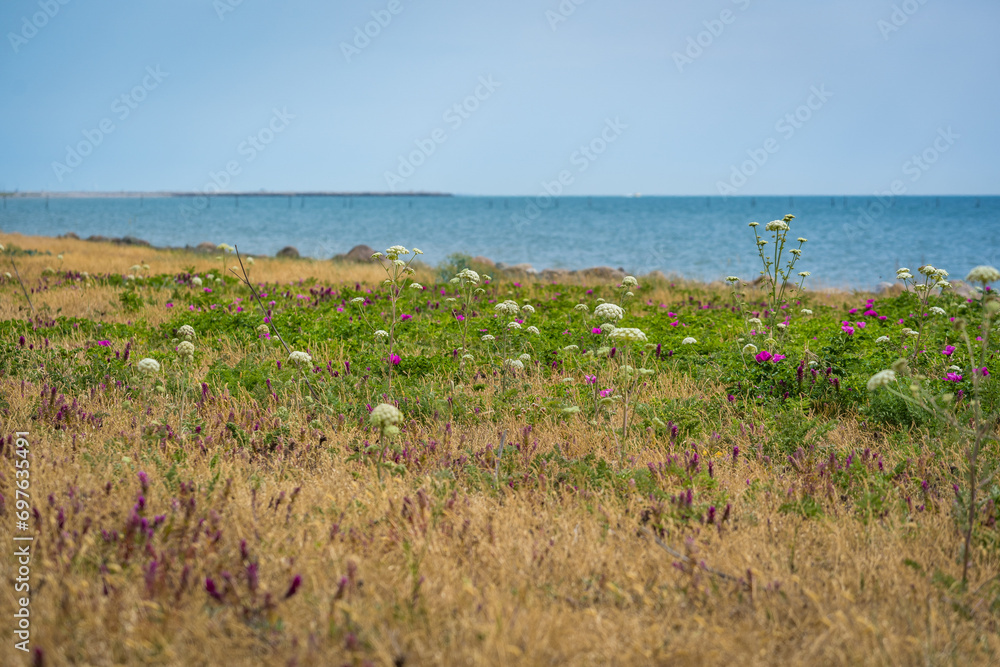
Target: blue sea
[{"x": 853, "y": 242}]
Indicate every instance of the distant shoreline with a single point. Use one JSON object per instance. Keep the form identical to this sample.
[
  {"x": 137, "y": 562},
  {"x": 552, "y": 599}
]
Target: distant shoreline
[{"x": 137, "y": 195}]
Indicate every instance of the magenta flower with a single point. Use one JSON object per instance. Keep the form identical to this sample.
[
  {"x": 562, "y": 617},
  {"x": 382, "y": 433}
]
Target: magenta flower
[
  {"x": 953, "y": 377},
  {"x": 405, "y": 316},
  {"x": 460, "y": 317},
  {"x": 763, "y": 356},
  {"x": 595, "y": 330},
  {"x": 605, "y": 393},
  {"x": 395, "y": 359},
  {"x": 778, "y": 357},
  {"x": 104, "y": 343},
  {"x": 590, "y": 379},
  {"x": 948, "y": 349},
  {"x": 981, "y": 371},
  {"x": 847, "y": 328}
]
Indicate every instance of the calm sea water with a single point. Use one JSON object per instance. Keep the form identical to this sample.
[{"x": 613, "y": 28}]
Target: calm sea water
[{"x": 853, "y": 241}]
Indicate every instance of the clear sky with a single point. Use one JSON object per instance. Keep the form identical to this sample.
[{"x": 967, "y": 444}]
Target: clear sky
[{"x": 502, "y": 97}]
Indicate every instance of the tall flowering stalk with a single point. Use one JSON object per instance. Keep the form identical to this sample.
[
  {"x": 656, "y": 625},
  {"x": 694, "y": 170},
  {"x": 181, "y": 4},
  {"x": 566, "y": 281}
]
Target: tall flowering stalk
[
  {"x": 933, "y": 279},
  {"x": 777, "y": 276},
  {"x": 467, "y": 282},
  {"x": 396, "y": 271},
  {"x": 978, "y": 430},
  {"x": 629, "y": 377}
]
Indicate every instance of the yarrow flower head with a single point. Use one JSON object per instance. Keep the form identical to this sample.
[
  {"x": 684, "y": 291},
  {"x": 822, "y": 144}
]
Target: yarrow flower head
[
  {"x": 186, "y": 331},
  {"x": 776, "y": 226},
  {"x": 805, "y": 274},
  {"x": 806, "y": 311},
  {"x": 393, "y": 252},
  {"x": 983, "y": 274},
  {"x": 488, "y": 338},
  {"x": 610, "y": 312},
  {"x": 533, "y": 330},
  {"x": 937, "y": 311},
  {"x": 385, "y": 415},
  {"x": 881, "y": 379},
  {"x": 416, "y": 286},
  {"x": 689, "y": 341},
  {"x": 513, "y": 325},
  {"x": 629, "y": 281},
  {"x": 298, "y": 358},
  {"x": 382, "y": 334},
  {"x": 528, "y": 308},
  {"x": 903, "y": 275},
  {"x": 630, "y": 334},
  {"x": 149, "y": 365}
]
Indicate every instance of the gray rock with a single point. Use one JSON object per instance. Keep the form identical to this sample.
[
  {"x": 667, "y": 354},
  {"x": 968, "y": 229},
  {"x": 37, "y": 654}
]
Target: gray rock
[
  {"x": 70, "y": 235},
  {"x": 131, "y": 240},
  {"x": 555, "y": 275},
  {"x": 288, "y": 251},
  {"x": 517, "y": 269},
  {"x": 97, "y": 238},
  {"x": 359, "y": 253}
]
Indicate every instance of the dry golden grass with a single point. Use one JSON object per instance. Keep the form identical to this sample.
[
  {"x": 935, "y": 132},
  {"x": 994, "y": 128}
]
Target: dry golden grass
[{"x": 422, "y": 570}]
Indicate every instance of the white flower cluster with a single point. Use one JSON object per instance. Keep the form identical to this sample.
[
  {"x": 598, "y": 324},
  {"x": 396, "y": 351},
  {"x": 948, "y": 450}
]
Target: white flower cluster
[
  {"x": 385, "y": 415},
  {"x": 881, "y": 379},
  {"x": 983, "y": 274},
  {"x": 528, "y": 308},
  {"x": 185, "y": 350},
  {"x": 749, "y": 348},
  {"x": 630, "y": 334},
  {"x": 533, "y": 330},
  {"x": 468, "y": 276},
  {"x": 196, "y": 281},
  {"x": 298, "y": 358},
  {"x": 149, "y": 365},
  {"x": 516, "y": 364},
  {"x": 882, "y": 339},
  {"x": 382, "y": 335},
  {"x": 776, "y": 226},
  {"x": 186, "y": 331},
  {"x": 937, "y": 311},
  {"x": 610, "y": 312},
  {"x": 507, "y": 307},
  {"x": 629, "y": 281},
  {"x": 689, "y": 341},
  {"x": 581, "y": 307}
]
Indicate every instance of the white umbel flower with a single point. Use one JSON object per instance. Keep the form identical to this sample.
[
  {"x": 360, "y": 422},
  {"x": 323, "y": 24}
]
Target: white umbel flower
[
  {"x": 525, "y": 358},
  {"x": 507, "y": 307},
  {"x": 385, "y": 415},
  {"x": 528, "y": 308},
  {"x": 416, "y": 286},
  {"x": 749, "y": 348},
  {"x": 776, "y": 226},
  {"x": 610, "y": 312},
  {"x": 297, "y": 357},
  {"x": 382, "y": 334},
  {"x": 196, "y": 281},
  {"x": 983, "y": 274},
  {"x": 882, "y": 339},
  {"x": 515, "y": 364},
  {"x": 186, "y": 331},
  {"x": 630, "y": 334},
  {"x": 149, "y": 365},
  {"x": 937, "y": 311},
  {"x": 581, "y": 307},
  {"x": 629, "y": 281},
  {"x": 488, "y": 338},
  {"x": 806, "y": 311},
  {"x": 689, "y": 341},
  {"x": 533, "y": 330},
  {"x": 513, "y": 325},
  {"x": 185, "y": 350},
  {"x": 881, "y": 379},
  {"x": 466, "y": 276}
]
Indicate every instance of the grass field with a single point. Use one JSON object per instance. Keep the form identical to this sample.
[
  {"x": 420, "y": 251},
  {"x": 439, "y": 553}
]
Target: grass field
[{"x": 550, "y": 492}]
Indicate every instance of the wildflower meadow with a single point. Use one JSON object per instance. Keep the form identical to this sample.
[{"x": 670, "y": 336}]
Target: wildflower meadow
[{"x": 223, "y": 459}]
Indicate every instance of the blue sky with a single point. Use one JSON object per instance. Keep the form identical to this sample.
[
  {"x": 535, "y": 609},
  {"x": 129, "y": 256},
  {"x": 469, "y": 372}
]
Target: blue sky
[{"x": 679, "y": 97}]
